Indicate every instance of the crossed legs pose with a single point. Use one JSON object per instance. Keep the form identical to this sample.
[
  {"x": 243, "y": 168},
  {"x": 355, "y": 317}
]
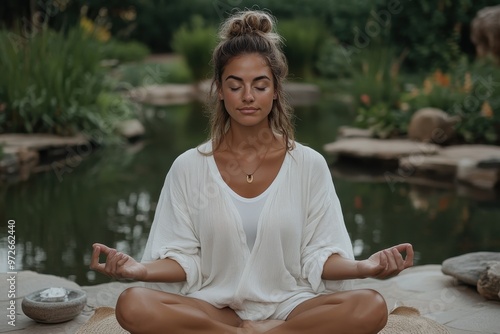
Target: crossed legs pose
[{"x": 144, "y": 311}]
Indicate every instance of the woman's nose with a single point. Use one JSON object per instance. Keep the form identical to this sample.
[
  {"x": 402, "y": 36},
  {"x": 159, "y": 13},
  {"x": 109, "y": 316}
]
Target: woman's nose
[{"x": 248, "y": 96}]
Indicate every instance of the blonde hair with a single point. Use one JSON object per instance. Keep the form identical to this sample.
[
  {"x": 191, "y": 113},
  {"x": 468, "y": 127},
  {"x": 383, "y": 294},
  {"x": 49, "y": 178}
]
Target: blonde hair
[{"x": 247, "y": 32}]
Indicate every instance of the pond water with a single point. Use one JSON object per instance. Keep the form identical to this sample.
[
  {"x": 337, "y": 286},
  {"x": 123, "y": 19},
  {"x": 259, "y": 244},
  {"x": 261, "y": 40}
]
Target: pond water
[{"x": 111, "y": 196}]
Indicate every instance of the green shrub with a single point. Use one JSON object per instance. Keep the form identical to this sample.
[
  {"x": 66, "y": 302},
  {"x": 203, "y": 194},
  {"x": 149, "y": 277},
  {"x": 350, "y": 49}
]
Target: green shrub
[
  {"x": 377, "y": 90},
  {"x": 124, "y": 51},
  {"x": 303, "y": 38},
  {"x": 333, "y": 62},
  {"x": 52, "y": 83},
  {"x": 195, "y": 43}
]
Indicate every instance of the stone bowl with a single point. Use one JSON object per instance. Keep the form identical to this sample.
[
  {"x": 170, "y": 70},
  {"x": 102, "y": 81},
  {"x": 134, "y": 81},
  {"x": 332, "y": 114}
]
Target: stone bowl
[{"x": 54, "y": 309}]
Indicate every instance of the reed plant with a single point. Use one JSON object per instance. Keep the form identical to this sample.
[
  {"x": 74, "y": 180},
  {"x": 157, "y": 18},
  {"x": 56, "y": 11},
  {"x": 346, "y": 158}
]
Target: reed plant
[
  {"x": 303, "y": 39},
  {"x": 195, "y": 43},
  {"x": 52, "y": 83}
]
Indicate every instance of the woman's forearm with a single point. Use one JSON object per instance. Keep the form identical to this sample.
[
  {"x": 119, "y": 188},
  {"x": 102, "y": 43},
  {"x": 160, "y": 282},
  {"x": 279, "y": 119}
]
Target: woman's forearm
[
  {"x": 339, "y": 268},
  {"x": 164, "y": 270}
]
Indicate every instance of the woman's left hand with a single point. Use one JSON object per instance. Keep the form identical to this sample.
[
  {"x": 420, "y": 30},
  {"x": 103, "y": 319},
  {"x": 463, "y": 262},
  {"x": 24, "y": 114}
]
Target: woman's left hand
[{"x": 388, "y": 262}]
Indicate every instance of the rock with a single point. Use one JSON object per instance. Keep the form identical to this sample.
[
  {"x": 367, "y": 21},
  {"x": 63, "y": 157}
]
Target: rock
[
  {"x": 488, "y": 285},
  {"x": 382, "y": 149},
  {"x": 432, "y": 125},
  {"x": 350, "y": 132},
  {"x": 131, "y": 129},
  {"x": 469, "y": 267},
  {"x": 163, "y": 95},
  {"x": 459, "y": 163},
  {"x": 485, "y": 32},
  {"x": 486, "y": 178},
  {"x": 28, "y": 160},
  {"x": 493, "y": 162}
]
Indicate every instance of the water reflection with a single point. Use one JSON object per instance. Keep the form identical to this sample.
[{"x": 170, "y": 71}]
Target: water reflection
[{"x": 111, "y": 198}]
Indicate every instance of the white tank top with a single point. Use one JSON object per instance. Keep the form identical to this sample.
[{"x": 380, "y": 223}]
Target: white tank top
[{"x": 250, "y": 210}]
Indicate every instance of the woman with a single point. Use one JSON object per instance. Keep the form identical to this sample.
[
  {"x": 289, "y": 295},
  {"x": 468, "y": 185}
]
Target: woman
[{"x": 248, "y": 235}]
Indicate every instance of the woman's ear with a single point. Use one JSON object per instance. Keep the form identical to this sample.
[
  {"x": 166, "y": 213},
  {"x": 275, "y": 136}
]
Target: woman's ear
[{"x": 219, "y": 94}]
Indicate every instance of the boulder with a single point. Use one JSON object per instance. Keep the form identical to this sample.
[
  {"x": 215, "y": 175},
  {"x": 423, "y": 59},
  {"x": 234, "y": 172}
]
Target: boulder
[
  {"x": 468, "y": 267},
  {"x": 432, "y": 125},
  {"x": 383, "y": 150},
  {"x": 131, "y": 129},
  {"x": 488, "y": 285},
  {"x": 485, "y": 32}
]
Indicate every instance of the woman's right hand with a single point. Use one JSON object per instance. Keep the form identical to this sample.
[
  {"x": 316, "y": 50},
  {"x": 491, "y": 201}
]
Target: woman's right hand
[{"x": 118, "y": 265}]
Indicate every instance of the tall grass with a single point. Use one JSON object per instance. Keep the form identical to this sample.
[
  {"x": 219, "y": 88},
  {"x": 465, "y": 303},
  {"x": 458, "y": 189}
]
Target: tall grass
[
  {"x": 195, "y": 43},
  {"x": 52, "y": 83},
  {"x": 303, "y": 39}
]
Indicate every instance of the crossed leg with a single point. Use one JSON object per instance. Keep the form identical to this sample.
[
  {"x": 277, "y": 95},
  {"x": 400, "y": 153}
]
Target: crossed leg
[
  {"x": 352, "y": 312},
  {"x": 143, "y": 311}
]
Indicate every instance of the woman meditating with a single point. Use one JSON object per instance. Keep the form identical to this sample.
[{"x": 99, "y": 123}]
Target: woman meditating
[{"x": 248, "y": 235}]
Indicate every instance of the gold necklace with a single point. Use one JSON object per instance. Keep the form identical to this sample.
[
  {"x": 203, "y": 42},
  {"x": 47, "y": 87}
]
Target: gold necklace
[{"x": 249, "y": 176}]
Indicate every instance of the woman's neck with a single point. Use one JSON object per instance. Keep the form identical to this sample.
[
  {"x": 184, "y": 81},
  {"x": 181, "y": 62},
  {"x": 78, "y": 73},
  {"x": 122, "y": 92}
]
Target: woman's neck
[{"x": 240, "y": 138}]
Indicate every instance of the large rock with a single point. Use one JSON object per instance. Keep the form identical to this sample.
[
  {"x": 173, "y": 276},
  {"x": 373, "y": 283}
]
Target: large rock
[
  {"x": 131, "y": 129},
  {"x": 432, "y": 125},
  {"x": 485, "y": 32},
  {"x": 469, "y": 267},
  {"x": 488, "y": 285},
  {"x": 464, "y": 163},
  {"x": 381, "y": 149}
]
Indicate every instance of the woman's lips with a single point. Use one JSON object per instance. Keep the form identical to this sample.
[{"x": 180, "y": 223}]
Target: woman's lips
[{"x": 247, "y": 111}]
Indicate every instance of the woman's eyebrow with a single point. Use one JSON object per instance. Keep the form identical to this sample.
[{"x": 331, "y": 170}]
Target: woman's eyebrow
[{"x": 262, "y": 77}]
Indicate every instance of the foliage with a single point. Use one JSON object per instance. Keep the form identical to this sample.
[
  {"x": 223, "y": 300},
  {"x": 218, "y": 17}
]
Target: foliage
[
  {"x": 303, "y": 38},
  {"x": 384, "y": 120},
  {"x": 445, "y": 35},
  {"x": 52, "y": 83},
  {"x": 333, "y": 61},
  {"x": 143, "y": 74},
  {"x": 377, "y": 88},
  {"x": 124, "y": 51},
  {"x": 195, "y": 43},
  {"x": 471, "y": 92}
]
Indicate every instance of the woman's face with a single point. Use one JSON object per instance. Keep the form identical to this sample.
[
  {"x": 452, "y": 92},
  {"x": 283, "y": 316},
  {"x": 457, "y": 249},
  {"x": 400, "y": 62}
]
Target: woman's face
[{"x": 247, "y": 90}]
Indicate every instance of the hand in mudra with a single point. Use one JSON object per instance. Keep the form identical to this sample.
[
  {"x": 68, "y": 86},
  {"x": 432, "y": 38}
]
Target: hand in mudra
[
  {"x": 118, "y": 265},
  {"x": 388, "y": 262}
]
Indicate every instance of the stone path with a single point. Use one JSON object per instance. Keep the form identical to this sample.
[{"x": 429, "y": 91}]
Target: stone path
[
  {"x": 434, "y": 294},
  {"x": 474, "y": 166}
]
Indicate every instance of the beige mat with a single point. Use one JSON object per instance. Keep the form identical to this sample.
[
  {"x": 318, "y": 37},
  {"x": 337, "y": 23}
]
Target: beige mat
[
  {"x": 403, "y": 319},
  {"x": 407, "y": 320},
  {"x": 102, "y": 322}
]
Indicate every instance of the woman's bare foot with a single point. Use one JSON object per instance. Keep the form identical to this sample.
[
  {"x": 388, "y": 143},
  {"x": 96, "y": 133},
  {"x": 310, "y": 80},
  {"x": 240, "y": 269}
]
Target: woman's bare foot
[{"x": 261, "y": 326}]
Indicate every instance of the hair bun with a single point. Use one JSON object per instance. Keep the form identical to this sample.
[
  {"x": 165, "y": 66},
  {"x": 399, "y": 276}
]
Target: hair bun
[{"x": 247, "y": 22}]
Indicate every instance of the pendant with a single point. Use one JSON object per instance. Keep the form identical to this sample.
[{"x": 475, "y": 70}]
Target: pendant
[{"x": 250, "y": 178}]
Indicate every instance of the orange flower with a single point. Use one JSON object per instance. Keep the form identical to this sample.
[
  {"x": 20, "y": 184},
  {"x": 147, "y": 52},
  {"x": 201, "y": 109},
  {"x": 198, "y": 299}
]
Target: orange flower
[
  {"x": 358, "y": 202},
  {"x": 486, "y": 110},
  {"x": 442, "y": 79},
  {"x": 444, "y": 203},
  {"x": 365, "y": 99}
]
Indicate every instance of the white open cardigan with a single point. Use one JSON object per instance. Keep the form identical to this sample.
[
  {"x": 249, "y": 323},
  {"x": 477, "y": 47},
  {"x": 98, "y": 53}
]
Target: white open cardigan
[{"x": 301, "y": 225}]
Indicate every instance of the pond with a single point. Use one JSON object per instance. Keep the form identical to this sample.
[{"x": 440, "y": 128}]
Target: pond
[{"x": 111, "y": 196}]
